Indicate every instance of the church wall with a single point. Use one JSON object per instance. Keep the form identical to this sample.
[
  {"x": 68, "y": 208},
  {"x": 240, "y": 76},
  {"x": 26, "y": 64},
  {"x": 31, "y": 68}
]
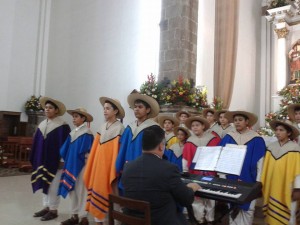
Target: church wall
[
  {"x": 101, "y": 48},
  {"x": 19, "y": 28},
  {"x": 246, "y": 92},
  {"x": 205, "y": 54}
]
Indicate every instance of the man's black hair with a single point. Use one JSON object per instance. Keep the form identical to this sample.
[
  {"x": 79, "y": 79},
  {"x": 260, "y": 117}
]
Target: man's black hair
[{"x": 152, "y": 137}]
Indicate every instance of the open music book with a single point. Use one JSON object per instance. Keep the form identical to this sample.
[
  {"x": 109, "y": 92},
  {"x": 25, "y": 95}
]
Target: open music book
[{"x": 228, "y": 159}]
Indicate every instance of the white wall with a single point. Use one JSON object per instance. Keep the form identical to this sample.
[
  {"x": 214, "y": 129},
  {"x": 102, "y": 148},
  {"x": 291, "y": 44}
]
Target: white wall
[
  {"x": 19, "y": 29},
  {"x": 101, "y": 48},
  {"x": 205, "y": 46}
]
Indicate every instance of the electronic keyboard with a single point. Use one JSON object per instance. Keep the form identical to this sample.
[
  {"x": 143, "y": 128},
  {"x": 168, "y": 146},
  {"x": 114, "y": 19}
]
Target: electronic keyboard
[{"x": 226, "y": 190}]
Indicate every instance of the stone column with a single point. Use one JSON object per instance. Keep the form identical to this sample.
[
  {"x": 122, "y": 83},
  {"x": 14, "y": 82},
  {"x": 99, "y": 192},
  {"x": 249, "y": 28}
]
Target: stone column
[
  {"x": 279, "y": 17},
  {"x": 280, "y": 78},
  {"x": 178, "y": 39},
  {"x": 281, "y": 67}
]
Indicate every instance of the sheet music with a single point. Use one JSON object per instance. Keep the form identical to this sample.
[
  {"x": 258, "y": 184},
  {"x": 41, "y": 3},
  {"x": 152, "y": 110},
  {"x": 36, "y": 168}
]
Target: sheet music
[
  {"x": 228, "y": 159},
  {"x": 232, "y": 159},
  {"x": 206, "y": 158}
]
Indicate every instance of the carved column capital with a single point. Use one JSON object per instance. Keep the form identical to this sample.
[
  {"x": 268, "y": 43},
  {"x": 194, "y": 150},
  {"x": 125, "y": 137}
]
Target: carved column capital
[{"x": 282, "y": 32}]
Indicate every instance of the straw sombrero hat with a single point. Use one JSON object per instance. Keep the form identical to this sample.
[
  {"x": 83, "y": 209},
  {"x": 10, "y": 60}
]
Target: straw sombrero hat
[
  {"x": 207, "y": 110},
  {"x": 149, "y": 100},
  {"x": 178, "y": 114},
  {"x": 187, "y": 131},
  {"x": 82, "y": 111},
  {"x": 295, "y": 131},
  {"x": 61, "y": 107},
  {"x": 121, "y": 113},
  {"x": 218, "y": 113},
  {"x": 291, "y": 110},
  {"x": 161, "y": 120},
  {"x": 188, "y": 122},
  {"x": 251, "y": 116}
]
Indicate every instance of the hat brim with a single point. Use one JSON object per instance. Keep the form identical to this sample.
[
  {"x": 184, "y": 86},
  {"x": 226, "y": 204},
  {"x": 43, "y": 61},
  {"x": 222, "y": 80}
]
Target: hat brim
[
  {"x": 121, "y": 113},
  {"x": 89, "y": 117},
  {"x": 295, "y": 131},
  {"x": 186, "y": 130},
  {"x": 189, "y": 121},
  {"x": 291, "y": 110},
  {"x": 182, "y": 112},
  {"x": 154, "y": 107},
  {"x": 61, "y": 107},
  {"x": 161, "y": 120},
  {"x": 252, "y": 117}
]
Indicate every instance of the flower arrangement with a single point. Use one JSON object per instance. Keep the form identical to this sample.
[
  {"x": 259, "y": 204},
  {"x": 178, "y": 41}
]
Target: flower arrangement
[
  {"x": 33, "y": 104},
  {"x": 217, "y": 103},
  {"x": 184, "y": 92},
  {"x": 266, "y": 131},
  {"x": 290, "y": 95},
  {"x": 181, "y": 91},
  {"x": 152, "y": 88}
]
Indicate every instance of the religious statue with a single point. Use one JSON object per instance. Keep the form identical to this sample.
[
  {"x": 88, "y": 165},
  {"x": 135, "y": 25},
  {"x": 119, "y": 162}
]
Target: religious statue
[{"x": 294, "y": 60}]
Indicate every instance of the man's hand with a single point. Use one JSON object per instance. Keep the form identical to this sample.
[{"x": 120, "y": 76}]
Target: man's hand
[{"x": 194, "y": 186}]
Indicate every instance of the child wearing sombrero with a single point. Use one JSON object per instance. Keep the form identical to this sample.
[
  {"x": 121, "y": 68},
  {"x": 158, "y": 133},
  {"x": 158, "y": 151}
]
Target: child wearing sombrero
[
  {"x": 168, "y": 123},
  {"x": 210, "y": 115},
  {"x": 174, "y": 152},
  {"x": 293, "y": 111},
  {"x": 74, "y": 153},
  {"x": 144, "y": 108},
  {"x": 100, "y": 174},
  {"x": 224, "y": 124},
  {"x": 182, "y": 116},
  {"x": 45, "y": 157},
  {"x": 281, "y": 175},
  {"x": 251, "y": 169},
  {"x": 203, "y": 208}
]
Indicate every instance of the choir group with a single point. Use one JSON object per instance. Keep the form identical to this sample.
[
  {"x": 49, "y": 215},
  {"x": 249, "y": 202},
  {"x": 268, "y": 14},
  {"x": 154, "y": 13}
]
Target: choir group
[{"x": 89, "y": 167}]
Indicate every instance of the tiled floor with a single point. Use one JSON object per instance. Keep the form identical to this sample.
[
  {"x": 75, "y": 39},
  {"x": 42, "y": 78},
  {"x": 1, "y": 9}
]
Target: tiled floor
[{"x": 17, "y": 204}]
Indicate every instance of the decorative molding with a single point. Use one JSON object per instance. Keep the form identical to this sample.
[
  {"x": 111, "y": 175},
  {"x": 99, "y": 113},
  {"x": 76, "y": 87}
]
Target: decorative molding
[
  {"x": 289, "y": 13},
  {"x": 282, "y": 32}
]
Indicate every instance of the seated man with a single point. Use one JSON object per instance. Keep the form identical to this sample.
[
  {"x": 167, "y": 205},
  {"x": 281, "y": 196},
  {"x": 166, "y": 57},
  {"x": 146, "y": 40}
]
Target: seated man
[{"x": 151, "y": 179}]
